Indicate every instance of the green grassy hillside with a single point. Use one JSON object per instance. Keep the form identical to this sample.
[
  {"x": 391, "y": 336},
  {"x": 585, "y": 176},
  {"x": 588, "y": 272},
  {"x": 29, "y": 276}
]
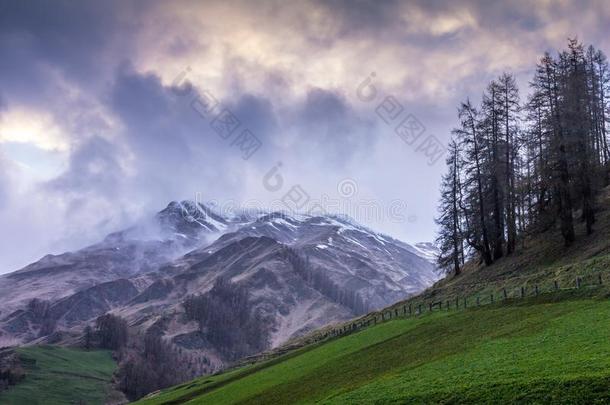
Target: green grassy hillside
[
  {"x": 552, "y": 348},
  {"x": 536, "y": 338},
  {"x": 542, "y": 263},
  {"x": 59, "y": 375}
]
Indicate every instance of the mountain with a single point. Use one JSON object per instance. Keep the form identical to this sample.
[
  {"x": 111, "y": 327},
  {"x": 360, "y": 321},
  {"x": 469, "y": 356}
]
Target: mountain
[
  {"x": 126, "y": 254},
  {"x": 268, "y": 277},
  {"x": 506, "y": 321}
]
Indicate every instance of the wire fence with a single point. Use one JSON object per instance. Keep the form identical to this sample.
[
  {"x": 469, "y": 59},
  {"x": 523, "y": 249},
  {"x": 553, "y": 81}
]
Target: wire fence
[{"x": 494, "y": 295}]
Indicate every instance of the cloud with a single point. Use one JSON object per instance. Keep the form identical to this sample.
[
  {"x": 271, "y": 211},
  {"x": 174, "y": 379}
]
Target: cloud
[
  {"x": 329, "y": 127},
  {"x": 171, "y": 148},
  {"x": 94, "y": 168},
  {"x": 34, "y": 127},
  {"x": 68, "y": 36},
  {"x": 257, "y": 113},
  {"x": 90, "y": 84},
  {"x": 5, "y": 186}
]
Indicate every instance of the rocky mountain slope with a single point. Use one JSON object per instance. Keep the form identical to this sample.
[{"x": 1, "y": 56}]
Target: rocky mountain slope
[{"x": 268, "y": 277}]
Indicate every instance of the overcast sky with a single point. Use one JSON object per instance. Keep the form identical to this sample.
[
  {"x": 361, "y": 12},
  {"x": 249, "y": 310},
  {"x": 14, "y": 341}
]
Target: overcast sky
[{"x": 99, "y": 127}]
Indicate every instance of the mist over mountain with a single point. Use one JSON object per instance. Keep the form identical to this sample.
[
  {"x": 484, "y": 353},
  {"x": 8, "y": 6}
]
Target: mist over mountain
[{"x": 269, "y": 277}]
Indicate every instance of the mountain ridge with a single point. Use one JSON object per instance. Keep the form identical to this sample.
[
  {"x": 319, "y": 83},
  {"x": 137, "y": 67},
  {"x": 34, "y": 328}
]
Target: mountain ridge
[{"x": 300, "y": 272}]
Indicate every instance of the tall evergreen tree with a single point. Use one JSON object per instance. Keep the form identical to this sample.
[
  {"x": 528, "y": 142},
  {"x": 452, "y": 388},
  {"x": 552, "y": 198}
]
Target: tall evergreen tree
[
  {"x": 515, "y": 171},
  {"x": 471, "y": 142},
  {"x": 450, "y": 237}
]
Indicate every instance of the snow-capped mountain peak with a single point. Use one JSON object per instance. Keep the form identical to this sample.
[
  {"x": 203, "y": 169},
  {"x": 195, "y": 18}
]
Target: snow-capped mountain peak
[{"x": 299, "y": 271}]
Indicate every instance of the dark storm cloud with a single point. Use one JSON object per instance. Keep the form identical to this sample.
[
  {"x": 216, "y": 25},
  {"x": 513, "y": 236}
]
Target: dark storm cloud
[
  {"x": 139, "y": 99},
  {"x": 361, "y": 17},
  {"x": 173, "y": 150},
  {"x": 287, "y": 71},
  {"x": 329, "y": 127},
  {"x": 159, "y": 125},
  {"x": 324, "y": 107},
  {"x": 257, "y": 113},
  {"x": 414, "y": 21},
  {"x": 55, "y": 55},
  {"x": 67, "y": 34},
  {"x": 24, "y": 76},
  {"x": 388, "y": 17},
  {"x": 154, "y": 129}
]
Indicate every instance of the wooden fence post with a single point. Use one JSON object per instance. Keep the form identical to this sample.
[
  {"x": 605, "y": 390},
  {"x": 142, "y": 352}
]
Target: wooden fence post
[
  {"x": 419, "y": 312},
  {"x": 505, "y": 294},
  {"x": 536, "y": 287},
  {"x": 556, "y": 285},
  {"x": 478, "y": 301},
  {"x": 457, "y": 302},
  {"x": 599, "y": 278},
  {"x": 430, "y": 305},
  {"x": 522, "y": 292},
  {"x": 448, "y": 302},
  {"x": 491, "y": 297},
  {"x": 577, "y": 282},
  {"x": 465, "y": 302}
]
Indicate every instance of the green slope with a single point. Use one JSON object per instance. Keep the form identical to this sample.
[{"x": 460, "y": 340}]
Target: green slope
[
  {"x": 553, "y": 348},
  {"x": 547, "y": 348},
  {"x": 59, "y": 375}
]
